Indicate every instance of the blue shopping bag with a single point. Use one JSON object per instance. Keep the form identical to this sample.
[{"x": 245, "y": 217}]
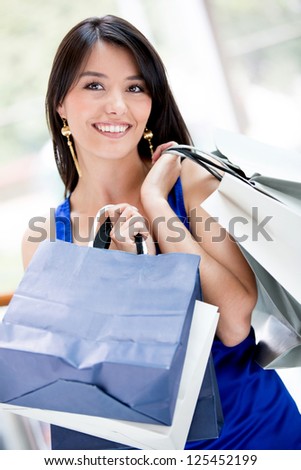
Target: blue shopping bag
[{"x": 99, "y": 332}]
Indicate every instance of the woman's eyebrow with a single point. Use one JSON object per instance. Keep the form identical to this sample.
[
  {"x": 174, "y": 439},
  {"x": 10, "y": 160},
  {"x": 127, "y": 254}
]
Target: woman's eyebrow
[
  {"x": 90, "y": 73},
  {"x": 135, "y": 77}
]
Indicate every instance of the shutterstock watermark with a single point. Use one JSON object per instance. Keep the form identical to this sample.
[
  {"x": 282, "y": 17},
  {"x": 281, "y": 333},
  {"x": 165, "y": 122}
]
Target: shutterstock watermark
[{"x": 256, "y": 228}]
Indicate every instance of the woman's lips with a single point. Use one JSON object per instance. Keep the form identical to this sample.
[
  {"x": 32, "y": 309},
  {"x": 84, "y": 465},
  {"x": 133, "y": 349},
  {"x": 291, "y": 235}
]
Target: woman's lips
[{"x": 112, "y": 130}]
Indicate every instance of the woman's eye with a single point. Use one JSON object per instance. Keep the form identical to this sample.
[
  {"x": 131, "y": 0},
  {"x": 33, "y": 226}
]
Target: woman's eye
[
  {"x": 136, "y": 89},
  {"x": 94, "y": 86}
]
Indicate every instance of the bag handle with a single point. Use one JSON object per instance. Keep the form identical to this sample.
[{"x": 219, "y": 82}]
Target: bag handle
[
  {"x": 205, "y": 160},
  {"x": 214, "y": 167},
  {"x": 102, "y": 238}
]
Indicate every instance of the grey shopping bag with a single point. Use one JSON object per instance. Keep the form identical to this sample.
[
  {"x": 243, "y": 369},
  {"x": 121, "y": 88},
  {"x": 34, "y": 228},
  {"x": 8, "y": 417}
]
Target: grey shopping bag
[{"x": 276, "y": 320}]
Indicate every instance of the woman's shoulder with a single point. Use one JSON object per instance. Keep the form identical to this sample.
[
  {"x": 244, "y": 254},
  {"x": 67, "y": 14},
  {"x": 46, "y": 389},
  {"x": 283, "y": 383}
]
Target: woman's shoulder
[
  {"x": 197, "y": 183},
  {"x": 38, "y": 229}
]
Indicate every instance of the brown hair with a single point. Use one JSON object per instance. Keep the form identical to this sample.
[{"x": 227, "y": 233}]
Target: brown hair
[{"x": 165, "y": 119}]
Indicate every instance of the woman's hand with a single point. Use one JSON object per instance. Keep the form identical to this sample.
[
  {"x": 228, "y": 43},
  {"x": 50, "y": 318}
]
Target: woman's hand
[
  {"x": 127, "y": 222},
  {"x": 162, "y": 176},
  {"x": 160, "y": 149}
]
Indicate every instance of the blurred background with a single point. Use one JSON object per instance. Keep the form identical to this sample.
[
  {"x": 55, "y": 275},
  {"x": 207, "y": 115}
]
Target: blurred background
[{"x": 234, "y": 65}]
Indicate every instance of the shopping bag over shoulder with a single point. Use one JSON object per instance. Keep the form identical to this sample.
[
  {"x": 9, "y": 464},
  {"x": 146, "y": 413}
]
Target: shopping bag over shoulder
[
  {"x": 112, "y": 323},
  {"x": 263, "y": 214}
]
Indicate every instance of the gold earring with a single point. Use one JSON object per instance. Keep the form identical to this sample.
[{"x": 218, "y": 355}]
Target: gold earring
[
  {"x": 66, "y": 133},
  {"x": 148, "y": 135}
]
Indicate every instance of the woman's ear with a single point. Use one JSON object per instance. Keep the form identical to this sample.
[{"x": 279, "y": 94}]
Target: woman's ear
[{"x": 61, "y": 110}]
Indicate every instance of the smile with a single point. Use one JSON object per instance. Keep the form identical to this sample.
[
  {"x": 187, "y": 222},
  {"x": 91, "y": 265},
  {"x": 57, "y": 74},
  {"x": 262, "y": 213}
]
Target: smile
[{"x": 111, "y": 128}]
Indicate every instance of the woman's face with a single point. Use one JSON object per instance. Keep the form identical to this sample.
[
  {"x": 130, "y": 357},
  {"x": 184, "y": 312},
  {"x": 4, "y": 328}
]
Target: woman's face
[{"x": 108, "y": 107}]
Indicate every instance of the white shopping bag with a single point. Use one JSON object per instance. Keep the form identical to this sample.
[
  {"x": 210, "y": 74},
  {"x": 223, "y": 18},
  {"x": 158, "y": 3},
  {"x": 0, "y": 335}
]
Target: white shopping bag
[
  {"x": 268, "y": 233},
  {"x": 141, "y": 435},
  {"x": 256, "y": 157},
  {"x": 266, "y": 228}
]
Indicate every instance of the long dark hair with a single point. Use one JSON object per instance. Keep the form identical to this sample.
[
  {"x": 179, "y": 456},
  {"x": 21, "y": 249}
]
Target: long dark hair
[{"x": 165, "y": 119}]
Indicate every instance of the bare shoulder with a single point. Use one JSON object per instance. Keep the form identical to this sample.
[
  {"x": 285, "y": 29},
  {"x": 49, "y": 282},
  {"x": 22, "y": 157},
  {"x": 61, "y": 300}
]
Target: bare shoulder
[
  {"x": 38, "y": 230},
  {"x": 197, "y": 183}
]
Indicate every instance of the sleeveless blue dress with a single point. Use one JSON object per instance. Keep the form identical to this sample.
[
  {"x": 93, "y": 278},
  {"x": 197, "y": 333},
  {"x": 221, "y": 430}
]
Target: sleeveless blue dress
[{"x": 259, "y": 413}]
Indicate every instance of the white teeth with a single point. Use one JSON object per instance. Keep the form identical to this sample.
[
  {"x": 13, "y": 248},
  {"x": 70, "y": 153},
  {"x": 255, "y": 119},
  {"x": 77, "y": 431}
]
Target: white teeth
[{"x": 111, "y": 128}]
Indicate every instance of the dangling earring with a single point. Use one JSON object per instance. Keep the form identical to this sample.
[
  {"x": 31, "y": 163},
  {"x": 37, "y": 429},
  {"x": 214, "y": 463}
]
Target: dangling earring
[
  {"x": 66, "y": 133},
  {"x": 148, "y": 135}
]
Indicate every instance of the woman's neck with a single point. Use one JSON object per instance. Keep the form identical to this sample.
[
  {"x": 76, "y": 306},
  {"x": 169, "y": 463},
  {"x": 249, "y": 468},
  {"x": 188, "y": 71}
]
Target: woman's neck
[{"x": 109, "y": 182}]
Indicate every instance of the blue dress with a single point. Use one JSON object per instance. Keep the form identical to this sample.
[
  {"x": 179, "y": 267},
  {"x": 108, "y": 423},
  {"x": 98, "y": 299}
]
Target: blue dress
[{"x": 259, "y": 413}]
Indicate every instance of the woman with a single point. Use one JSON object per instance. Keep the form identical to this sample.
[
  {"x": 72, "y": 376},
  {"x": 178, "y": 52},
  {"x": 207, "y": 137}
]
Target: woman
[{"x": 108, "y": 105}]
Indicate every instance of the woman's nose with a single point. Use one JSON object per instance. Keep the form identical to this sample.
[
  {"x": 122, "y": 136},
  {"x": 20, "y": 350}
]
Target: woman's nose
[{"x": 116, "y": 103}]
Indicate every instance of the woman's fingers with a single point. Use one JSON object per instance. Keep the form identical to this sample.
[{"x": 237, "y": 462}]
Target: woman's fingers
[
  {"x": 127, "y": 223},
  {"x": 125, "y": 220},
  {"x": 160, "y": 149}
]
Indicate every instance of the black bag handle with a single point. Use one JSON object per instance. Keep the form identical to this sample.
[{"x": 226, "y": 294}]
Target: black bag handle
[
  {"x": 221, "y": 163},
  {"x": 204, "y": 159},
  {"x": 103, "y": 239}
]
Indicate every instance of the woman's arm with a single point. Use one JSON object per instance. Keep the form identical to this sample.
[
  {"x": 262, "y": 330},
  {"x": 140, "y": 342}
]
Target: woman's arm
[
  {"x": 32, "y": 239},
  {"x": 227, "y": 280}
]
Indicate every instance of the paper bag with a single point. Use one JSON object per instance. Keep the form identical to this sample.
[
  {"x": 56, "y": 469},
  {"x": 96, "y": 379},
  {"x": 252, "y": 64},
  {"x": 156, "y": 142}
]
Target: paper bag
[
  {"x": 142, "y": 435},
  {"x": 110, "y": 324}
]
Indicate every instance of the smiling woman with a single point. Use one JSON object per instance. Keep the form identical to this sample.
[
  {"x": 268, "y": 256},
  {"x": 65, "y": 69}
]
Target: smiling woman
[
  {"x": 107, "y": 107},
  {"x": 89, "y": 76},
  {"x": 108, "y": 104}
]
